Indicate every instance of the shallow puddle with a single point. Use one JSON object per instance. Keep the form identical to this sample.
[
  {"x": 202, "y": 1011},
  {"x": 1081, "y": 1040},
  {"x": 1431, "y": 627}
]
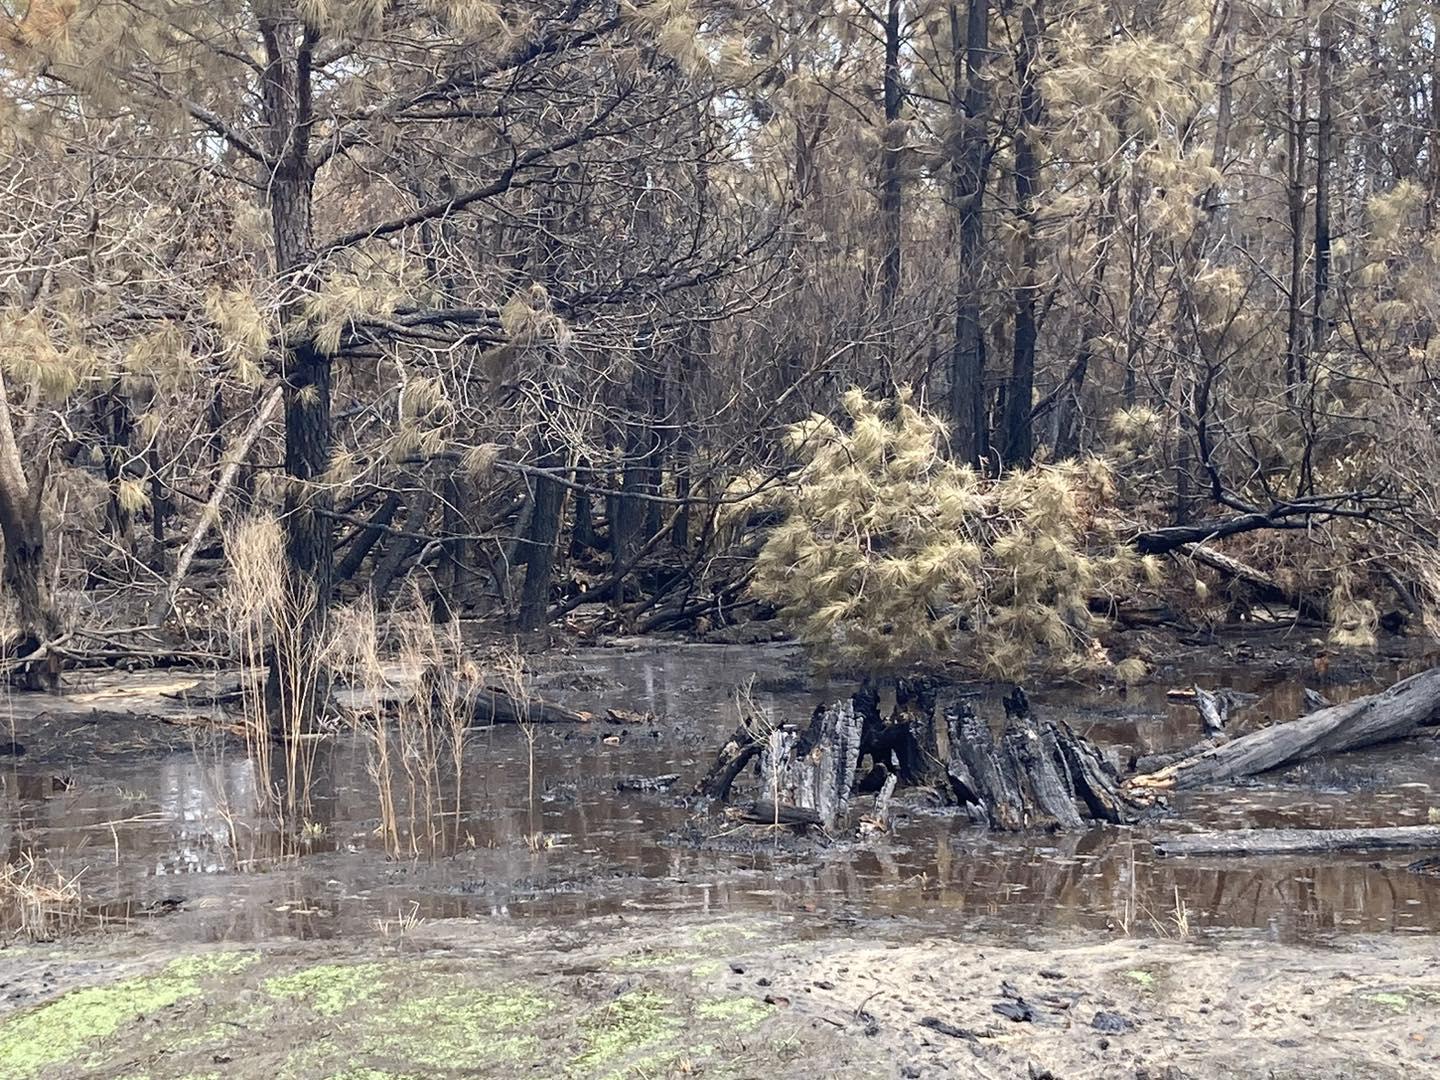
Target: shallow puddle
[{"x": 181, "y": 831}]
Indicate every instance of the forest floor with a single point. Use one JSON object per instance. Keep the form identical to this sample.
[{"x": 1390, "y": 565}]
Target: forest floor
[{"x": 720, "y": 997}]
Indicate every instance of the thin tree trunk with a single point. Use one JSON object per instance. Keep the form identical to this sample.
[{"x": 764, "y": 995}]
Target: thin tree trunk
[
  {"x": 970, "y": 106},
  {"x": 23, "y": 531},
  {"x": 891, "y": 194},
  {"x": 542, "y": 541},
  {"x": 1297, "y": 121},
  {"x": 295, "y": 692},
  {"x": 1019, "y": 433},
  {"x": 210, "y": 513}
]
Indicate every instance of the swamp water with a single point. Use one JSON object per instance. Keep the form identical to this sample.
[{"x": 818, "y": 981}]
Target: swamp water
[{"x": 178, "y": 834}]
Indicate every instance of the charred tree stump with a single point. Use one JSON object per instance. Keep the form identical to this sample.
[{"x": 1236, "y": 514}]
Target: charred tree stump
[
  {"x": 1038, "y": 774},
  {"x": 814, "y": 770},
  {"x": 730, "y": 762}
]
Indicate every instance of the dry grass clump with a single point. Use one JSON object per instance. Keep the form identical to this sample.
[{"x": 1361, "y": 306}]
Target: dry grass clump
[
  {"x": 37, "y": 901},
  {"x": 892, "y": 556},
  {"x": 266, "y": 621},
  {"x": 415, "y": 737}
]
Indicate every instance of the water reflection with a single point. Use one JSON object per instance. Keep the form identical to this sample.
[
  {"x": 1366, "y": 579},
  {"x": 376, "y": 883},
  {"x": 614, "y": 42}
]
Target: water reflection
[{"x": 189, "y": 825}]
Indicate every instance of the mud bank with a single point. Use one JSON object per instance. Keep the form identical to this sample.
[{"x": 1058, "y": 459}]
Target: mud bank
[{"x": 727, "y": 997}]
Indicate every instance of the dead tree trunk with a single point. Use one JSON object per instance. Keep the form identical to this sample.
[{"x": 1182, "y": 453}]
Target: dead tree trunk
[
  {"x": 970, "y": 110},
  {"x": 542, "y": 540},
  {"x": 814, "y": 770},
  {"x": 23, "y": 577},
  {"x": 1264, "y": 588},
  {"x": 1040, "y": 774},
  {"x": 1410, "y": 704}
]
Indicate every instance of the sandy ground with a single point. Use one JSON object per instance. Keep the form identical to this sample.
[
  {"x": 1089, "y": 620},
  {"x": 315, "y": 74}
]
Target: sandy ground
[{"x": 646, "y": 996}]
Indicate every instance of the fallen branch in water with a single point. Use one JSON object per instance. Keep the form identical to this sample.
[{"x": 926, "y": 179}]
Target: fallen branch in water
[
  {"x": 493, "y": 705},
  {"x": 1301, "y": 841},
  {"x": 1392, "y": 714}
]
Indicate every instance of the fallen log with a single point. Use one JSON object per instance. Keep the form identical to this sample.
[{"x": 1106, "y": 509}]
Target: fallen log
[
  {"x": 1265, "y": 588},
  {"x": 1151, "y": 763},
  {"x": 495, "y": 705},
  {"x": 1300, "y": 841},
  {"x": 1402, "y": 710}
]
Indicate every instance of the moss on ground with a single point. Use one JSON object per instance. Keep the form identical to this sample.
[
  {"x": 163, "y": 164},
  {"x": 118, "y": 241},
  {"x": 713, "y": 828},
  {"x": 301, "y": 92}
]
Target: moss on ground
[
  {"x": 650, "y": 959},
  {"x": 392, "y": 1018},
  {"x": 66, "y": 1030},
  {"x": 329, "y": 989},
  {"x": 737, "y": 1013},
  {"x": 462, "y": 1029},
  {"x": 630, "y": 1025}
]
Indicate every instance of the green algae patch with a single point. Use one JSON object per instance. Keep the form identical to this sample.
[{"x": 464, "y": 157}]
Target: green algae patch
[
  {"x": 462, "y": 1029},
  {"x": 1398, "y": 1002},
  {"x": 329, "y": 989},
  {"x": 725, "y": 932},
  {"x": 211, "y": 964},
  {"x": 655, "y": 958},
  {"x": 63, "y": 1030},
  {"x": 737, "y": 1013},
  {"x": 639, "y": 1020}
]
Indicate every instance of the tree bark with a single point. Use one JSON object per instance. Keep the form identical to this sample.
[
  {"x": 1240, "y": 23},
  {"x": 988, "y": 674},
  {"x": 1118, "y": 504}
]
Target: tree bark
[
  {"x": 23, "y": 531},
  {"x": 297, "y": 695},
  {"x": 1297, "y": 140},
  {"x": 1019, "y": 399},
  {"x": 542, "y": 542},
  {"x": 891, "y": 193},
  {"x": 970, "y": 107}
]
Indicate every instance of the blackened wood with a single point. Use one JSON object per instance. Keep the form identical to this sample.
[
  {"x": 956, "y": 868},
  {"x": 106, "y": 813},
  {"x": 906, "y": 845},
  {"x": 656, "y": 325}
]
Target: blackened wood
[{"x": 737, "y": 752}]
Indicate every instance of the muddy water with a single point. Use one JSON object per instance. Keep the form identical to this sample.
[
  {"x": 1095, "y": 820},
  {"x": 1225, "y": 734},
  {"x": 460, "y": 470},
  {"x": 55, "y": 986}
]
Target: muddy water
[{"x": 180, "y": 831}]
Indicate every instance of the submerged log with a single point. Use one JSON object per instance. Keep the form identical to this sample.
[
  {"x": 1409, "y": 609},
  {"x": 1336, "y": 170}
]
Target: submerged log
[
  {"x": 1301, "y": 841},
  {"x": 495, "y": 705},
  {"x": 1395, "y": 713}
]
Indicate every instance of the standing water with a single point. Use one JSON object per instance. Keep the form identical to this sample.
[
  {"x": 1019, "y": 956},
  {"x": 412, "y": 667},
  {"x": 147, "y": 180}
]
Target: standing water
[{"x": 571, "y": 824}]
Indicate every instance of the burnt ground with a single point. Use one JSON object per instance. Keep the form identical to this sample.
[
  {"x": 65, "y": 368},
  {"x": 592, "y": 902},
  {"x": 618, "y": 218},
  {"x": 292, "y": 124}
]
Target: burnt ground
[{"x": 747, "y": 996}]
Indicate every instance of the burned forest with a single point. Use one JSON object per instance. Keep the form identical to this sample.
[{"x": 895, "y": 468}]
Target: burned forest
[{"x": 638, "y": 538}]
